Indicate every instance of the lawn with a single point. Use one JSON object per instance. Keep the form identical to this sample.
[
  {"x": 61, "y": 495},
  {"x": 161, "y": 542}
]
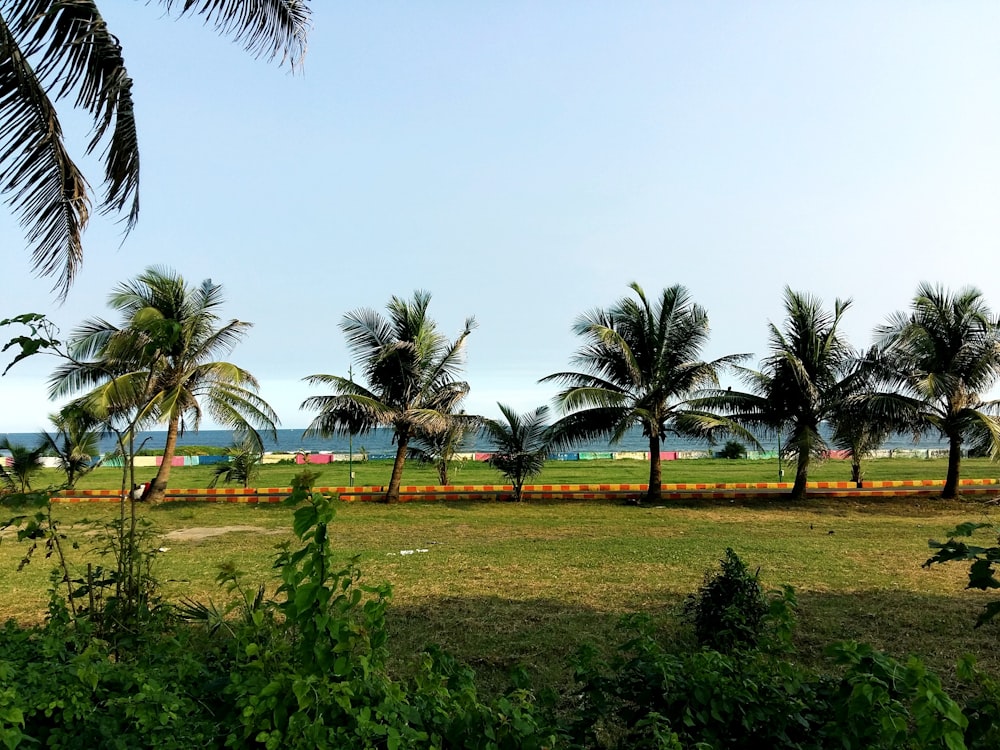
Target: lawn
[
  {"x": 624, "y": 471},
  {"x": 501, "y": 584}
]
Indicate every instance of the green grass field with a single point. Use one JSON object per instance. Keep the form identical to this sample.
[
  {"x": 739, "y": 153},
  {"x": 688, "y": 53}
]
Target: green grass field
[
  {"x": 503, "y": 584},
  {"x": 558, "y": 472}
]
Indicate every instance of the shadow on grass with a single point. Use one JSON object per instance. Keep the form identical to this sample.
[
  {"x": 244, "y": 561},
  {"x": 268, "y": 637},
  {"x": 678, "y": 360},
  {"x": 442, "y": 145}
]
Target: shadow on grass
[{"x": 495, "y": 634}]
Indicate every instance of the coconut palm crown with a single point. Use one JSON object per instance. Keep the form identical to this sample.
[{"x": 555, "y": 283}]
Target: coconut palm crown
[
  {"x": 412, "y": 374},
  {"x": 51, "y": 50},
  {"x": 935, "y": 364},
  {"x": 520, "y": 444},
  {"x": 158, "y": 366},
  {"x": 73, "y": 441},
  {"x": 640, "y": 366},
  {"x": 24, "y": 463},
  {"x": 810, "y": 372}
]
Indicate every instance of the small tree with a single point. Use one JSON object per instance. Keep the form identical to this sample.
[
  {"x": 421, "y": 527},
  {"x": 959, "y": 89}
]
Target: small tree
[
  {"x": 729, "y": 609},
  {"x": 24, "y": 463},
  {"x": 521, "y": 444},
  {"x": 438, "y": 448},
  {"x": 74, "y": 441},
  {"x": 245, "y": 456},
  {"x": 733, "y": 449}
]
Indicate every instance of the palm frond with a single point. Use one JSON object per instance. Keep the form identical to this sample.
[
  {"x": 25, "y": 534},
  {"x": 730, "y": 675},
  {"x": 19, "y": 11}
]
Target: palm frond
[
  {"x": 46, "y": 189},
  {"x": 76, "y": 52},
  {"x": 266, "y": 28}
]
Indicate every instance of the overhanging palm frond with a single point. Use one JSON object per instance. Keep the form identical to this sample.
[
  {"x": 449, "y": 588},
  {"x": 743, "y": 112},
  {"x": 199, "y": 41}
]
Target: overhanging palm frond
[
  {"x": 46, "y": 189},
  {"x": 589, "y": 424},
  {"x": 78, "y": 54},
  {"x": 266, "y": 28},
  {"x": 982, "y": 433},
  {"x": 53, "y": 50},
  {"x": 712, "y": 427},
  {"x": 241, "y": 410}
]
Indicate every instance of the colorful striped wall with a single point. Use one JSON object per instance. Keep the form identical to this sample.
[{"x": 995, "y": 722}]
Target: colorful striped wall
[{"x": 703, "y": 491}]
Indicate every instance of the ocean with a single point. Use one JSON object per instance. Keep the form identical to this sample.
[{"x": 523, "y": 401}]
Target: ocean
[{"x": 380, "y": 442}]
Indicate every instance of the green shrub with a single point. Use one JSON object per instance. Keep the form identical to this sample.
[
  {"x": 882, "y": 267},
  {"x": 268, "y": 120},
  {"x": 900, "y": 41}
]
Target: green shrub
[
  {"x": 733, "y": 449},
  {"x": 729, "y": 609}
]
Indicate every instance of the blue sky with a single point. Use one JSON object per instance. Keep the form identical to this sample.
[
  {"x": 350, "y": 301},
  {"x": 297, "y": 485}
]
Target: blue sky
[{"x": 524, "y": 162}]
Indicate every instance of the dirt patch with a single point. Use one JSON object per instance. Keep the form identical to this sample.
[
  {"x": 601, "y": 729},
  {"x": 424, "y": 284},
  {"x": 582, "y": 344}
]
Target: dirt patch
[{"x": 198, "y": 533}]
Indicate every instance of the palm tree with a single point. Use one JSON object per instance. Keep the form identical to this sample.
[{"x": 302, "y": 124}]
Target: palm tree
[
  {"x": 74, "y": 441},
  {"x": 856, "y": 428},
  {"x": 245, "y": 455},
  {"x": 24, "y": 463},
  {"x": 935, "y": 364},
  {"x": 642, "y": 365},
  {"x": 438, "y": 447},
  {"x": 158, "y": 364},
  {"x": 51, "y": 50},
  {"x": 521, "y": 444},
  {"x": 805, "y": 380},
  {"x": 411, "y": 370}
]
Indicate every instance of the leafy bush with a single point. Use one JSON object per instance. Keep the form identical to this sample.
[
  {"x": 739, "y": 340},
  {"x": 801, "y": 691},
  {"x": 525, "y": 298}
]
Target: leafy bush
[
  {"x": 729, "y": 609},
  {"x": 733, "y": 449},
  {"x": 652, "y": 696}
]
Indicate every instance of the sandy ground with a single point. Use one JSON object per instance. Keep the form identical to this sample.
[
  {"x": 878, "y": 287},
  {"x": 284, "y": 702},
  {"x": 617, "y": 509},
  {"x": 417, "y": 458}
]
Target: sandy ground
[{"x": 197, "y": 533}]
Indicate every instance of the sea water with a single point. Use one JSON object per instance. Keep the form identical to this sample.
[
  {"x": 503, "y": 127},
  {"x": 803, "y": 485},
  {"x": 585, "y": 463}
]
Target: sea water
[{"x": 380, "y": 441}]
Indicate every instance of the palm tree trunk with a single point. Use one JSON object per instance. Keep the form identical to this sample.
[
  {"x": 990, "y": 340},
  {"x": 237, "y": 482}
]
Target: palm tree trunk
[
  {"x": 655, "y": 468},
  {"x": 801, "y": 475},
  {"x": 856, "y": 471},
  {"x": 443, "y": 472},
  {"x": 950, "y": 490},
  {"x": 158, "y": 488},
  {"x": 392, "y": 491}
]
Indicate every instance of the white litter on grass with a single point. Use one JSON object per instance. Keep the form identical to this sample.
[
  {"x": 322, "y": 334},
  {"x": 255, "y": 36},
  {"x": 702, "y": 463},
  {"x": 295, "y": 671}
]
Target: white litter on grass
[
  {"x": 407, "y": 552},
  {"x": 164, "y": 549}
]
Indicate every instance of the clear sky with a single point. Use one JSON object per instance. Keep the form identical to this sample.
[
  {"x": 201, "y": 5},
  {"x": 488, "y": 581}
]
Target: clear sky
[{"x": 526, "y": 161}]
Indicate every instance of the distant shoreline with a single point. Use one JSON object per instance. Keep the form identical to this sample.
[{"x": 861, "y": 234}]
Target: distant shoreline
[{"x": 379, "y": 441}]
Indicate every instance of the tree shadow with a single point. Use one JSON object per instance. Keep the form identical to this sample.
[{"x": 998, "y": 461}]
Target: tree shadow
[{"x": 495, "y": 634}]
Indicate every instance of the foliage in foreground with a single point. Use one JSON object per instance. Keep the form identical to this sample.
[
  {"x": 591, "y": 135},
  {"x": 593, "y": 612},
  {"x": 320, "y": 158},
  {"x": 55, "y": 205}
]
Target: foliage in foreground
[{"x": 305, "y": 666}]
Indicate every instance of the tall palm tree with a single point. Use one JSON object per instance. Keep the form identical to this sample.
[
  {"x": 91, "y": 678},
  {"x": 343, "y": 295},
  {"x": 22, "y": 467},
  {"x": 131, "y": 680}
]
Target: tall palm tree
[
  {"x": 521, "y": 444},
  {"x": 24, "y": 463},
  {"x": 412, "y": 375},
  {"x": 810, "y": 373},
  {"x": 158, "y": 364},
  {"x": 641, "y": 365},
  {"x": 936, "y": 363},
  {"x": 74, "y": 441},
  {"x": 51, "y": 50}
]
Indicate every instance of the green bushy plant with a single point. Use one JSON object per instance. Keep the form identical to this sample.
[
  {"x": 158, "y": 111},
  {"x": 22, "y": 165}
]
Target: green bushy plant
[
  {"x": 729, "y": 609},
  {"x": 733, "y": 449},
  {"x": 310, "y": 667}
]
